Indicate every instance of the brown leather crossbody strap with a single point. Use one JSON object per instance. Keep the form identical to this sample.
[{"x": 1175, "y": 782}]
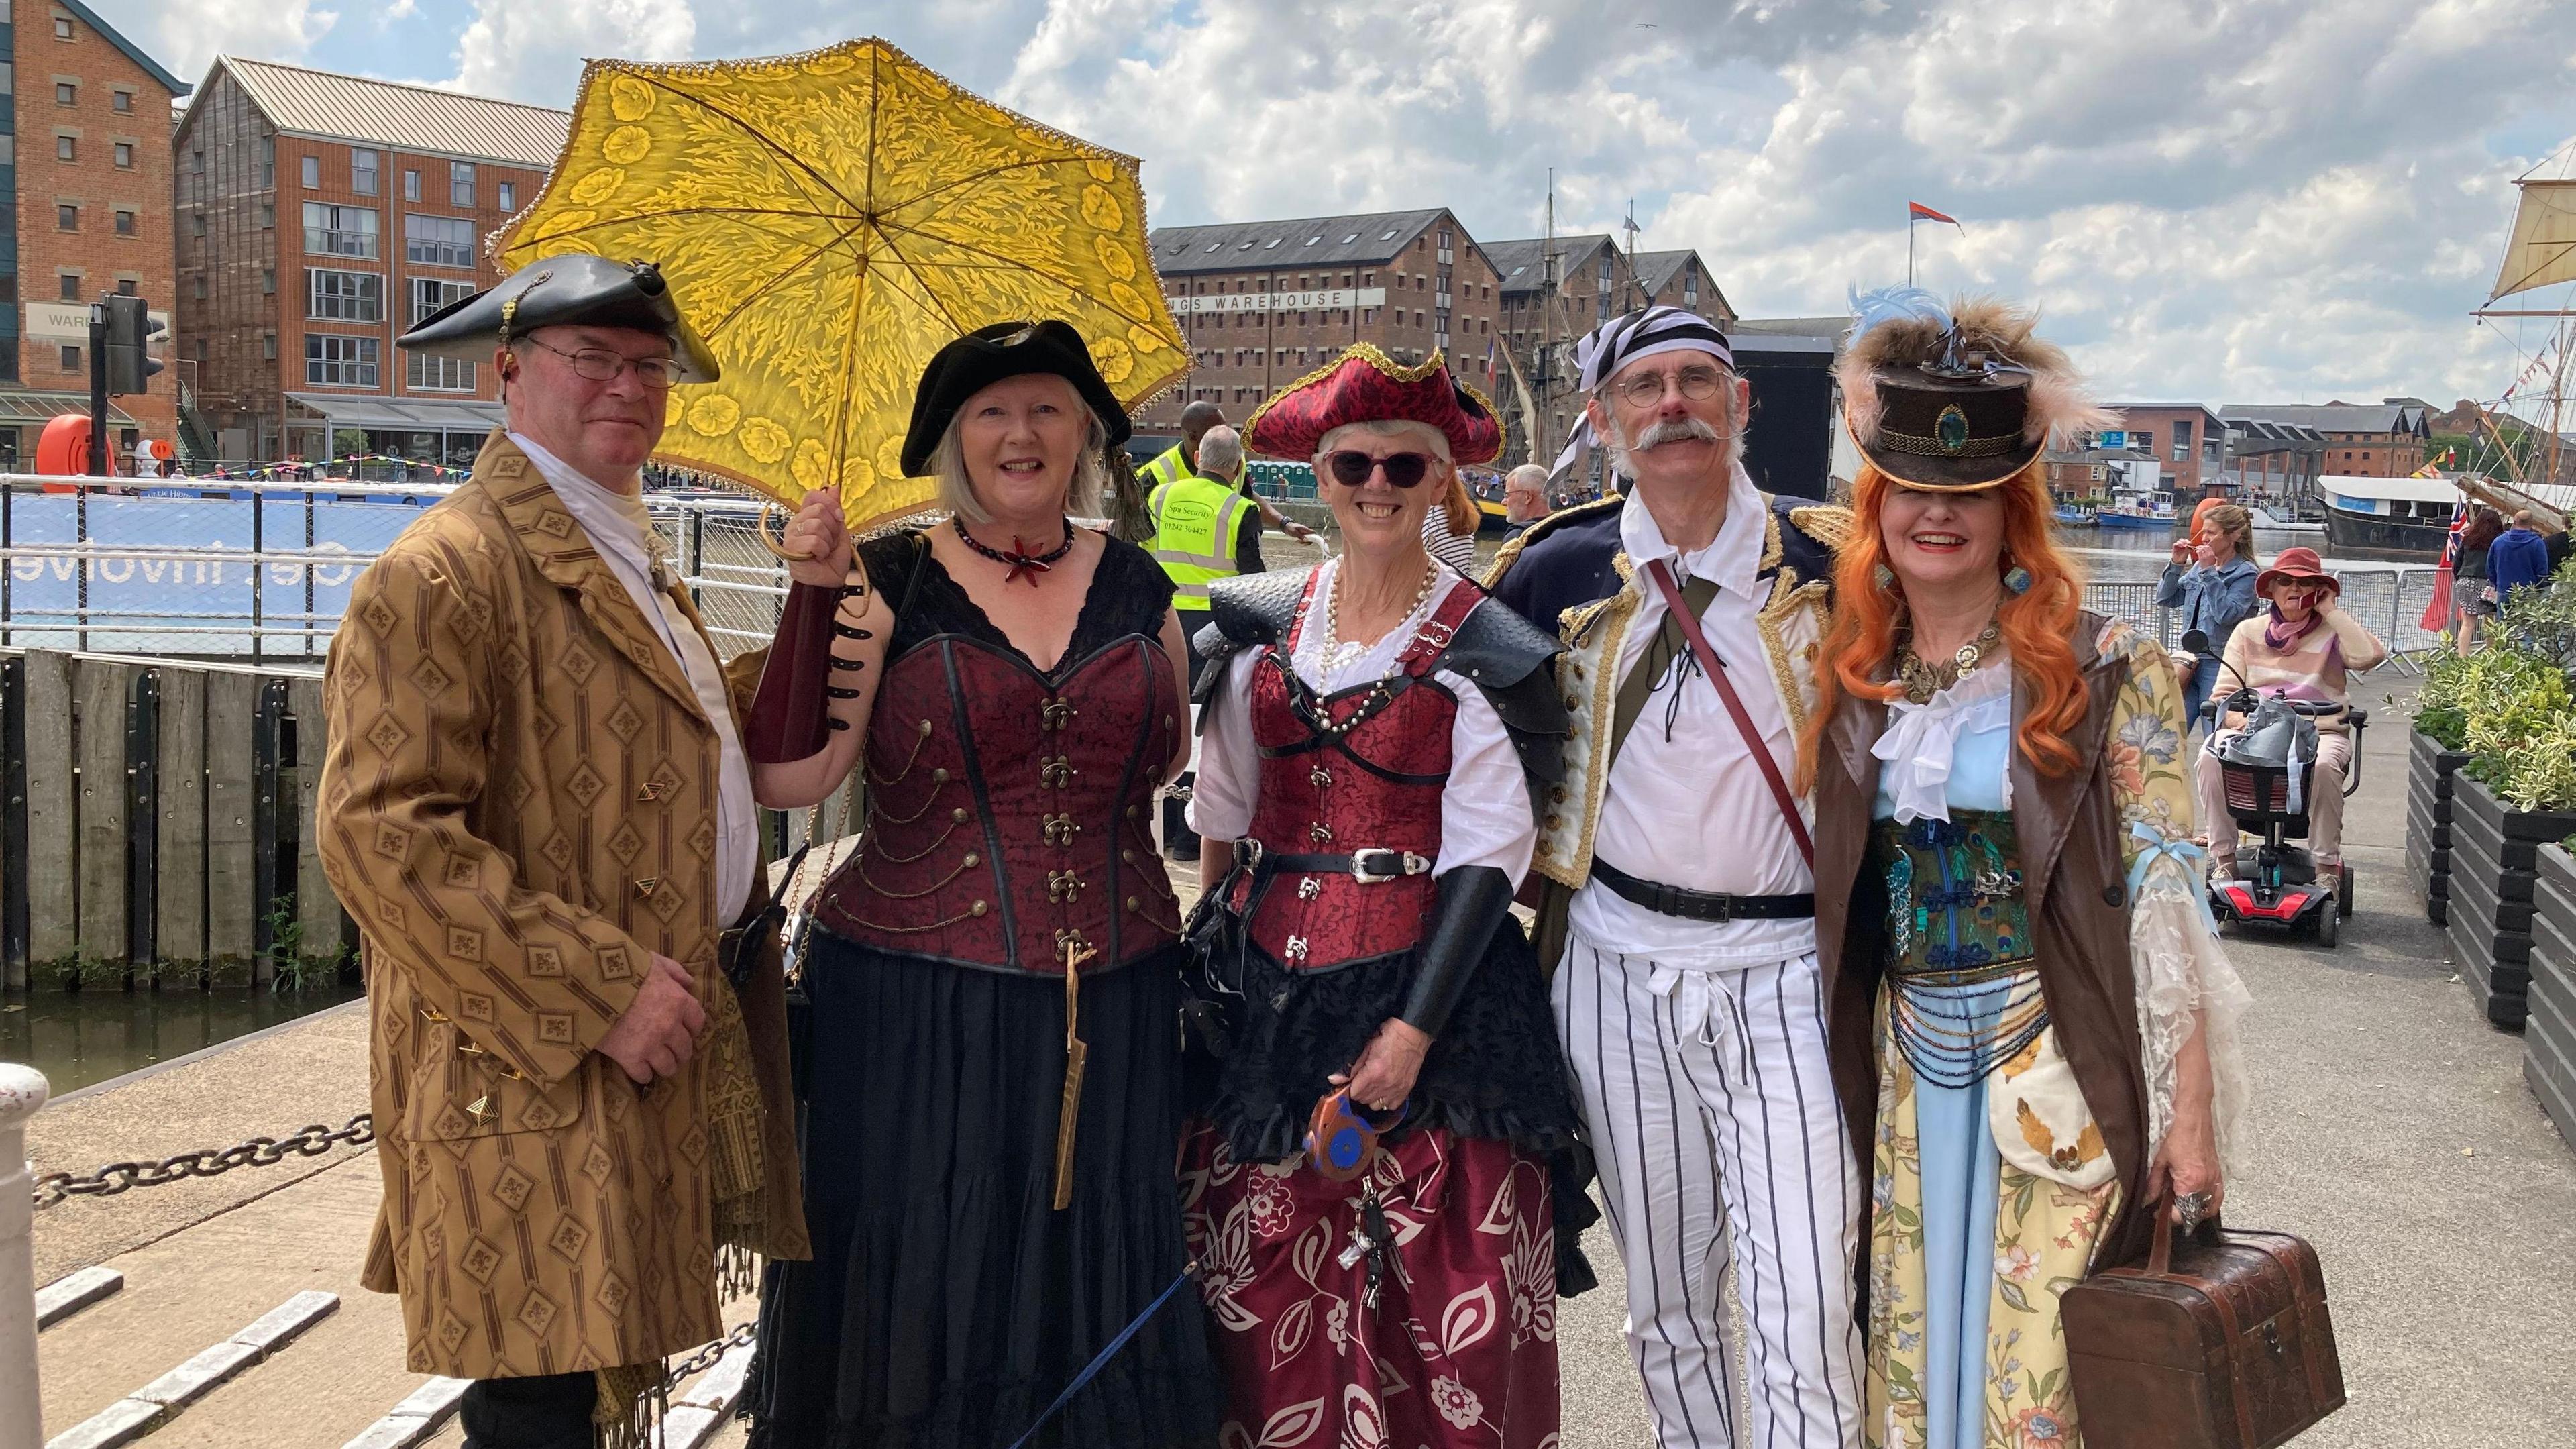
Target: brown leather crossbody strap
[{"x": 1715, "y": 669}]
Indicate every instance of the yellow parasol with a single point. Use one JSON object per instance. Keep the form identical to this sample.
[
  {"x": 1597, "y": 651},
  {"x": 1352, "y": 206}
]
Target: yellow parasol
[{"x": 828, "y": 221}]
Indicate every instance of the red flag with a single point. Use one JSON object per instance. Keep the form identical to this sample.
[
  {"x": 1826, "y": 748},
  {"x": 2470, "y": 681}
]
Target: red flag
[{"x": 1917, "y": 211}]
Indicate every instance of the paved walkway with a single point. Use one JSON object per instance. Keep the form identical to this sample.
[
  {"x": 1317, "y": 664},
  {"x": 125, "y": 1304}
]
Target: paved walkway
[{"x": 2392, "y": 1129}]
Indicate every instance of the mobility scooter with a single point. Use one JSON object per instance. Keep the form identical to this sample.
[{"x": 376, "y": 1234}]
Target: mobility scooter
[{"x": 2276, "y": 882}]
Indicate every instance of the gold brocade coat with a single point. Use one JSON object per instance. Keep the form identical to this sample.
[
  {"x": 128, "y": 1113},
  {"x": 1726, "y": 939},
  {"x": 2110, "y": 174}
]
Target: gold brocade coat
[{"x": 518, "y": 808}]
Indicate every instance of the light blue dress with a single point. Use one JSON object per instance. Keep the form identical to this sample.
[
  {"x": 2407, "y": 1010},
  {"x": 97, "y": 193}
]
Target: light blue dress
[{"x": 1960, "y": 1167}]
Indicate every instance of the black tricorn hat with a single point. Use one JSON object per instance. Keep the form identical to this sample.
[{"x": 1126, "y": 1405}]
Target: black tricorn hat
[
  {"x": 986, "y": 356},
  {"x": 1957, "y": 397},
  {"x": 571, "y": 289}
]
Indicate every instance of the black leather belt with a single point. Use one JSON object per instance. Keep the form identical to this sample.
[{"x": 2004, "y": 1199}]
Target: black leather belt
[
  {"x": 1370, "y": 865},
  {"x": 1691, "y": 905}
]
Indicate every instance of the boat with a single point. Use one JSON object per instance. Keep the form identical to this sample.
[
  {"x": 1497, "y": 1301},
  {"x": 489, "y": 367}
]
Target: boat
[
  {"x": 1491, "y": 516},
  {"x": 2075, "y": 515},
  {"x": 2388, "y": 517},
  {"x": 2138, "y": 516},
  {"x": 2534, "y": 461},
  {"x": 2266, "y": 521}
]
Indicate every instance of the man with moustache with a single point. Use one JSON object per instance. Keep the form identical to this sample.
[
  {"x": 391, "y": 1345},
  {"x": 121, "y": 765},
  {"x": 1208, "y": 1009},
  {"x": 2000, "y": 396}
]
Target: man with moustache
[
  {"x": 536, "y": 806},
  {"x": 1679, "y": 906}
]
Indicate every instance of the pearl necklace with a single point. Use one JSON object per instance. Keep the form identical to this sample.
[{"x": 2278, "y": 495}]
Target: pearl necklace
[{"x": 1334, "y": 650}]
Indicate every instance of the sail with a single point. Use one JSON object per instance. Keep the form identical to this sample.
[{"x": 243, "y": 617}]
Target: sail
[{"x": 2543, "y": 248}]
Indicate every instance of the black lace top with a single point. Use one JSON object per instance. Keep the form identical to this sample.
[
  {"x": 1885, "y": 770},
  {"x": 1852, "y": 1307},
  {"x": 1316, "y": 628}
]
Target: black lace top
[{"x": 1129, "y": 595}]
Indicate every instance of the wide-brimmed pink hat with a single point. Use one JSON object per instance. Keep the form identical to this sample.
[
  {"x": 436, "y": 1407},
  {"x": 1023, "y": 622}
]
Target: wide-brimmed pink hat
[{"x": 2296, "y": 563}]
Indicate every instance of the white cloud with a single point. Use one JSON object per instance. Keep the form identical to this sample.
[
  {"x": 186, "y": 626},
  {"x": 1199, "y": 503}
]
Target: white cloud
[
  {"x": 535, "y": 51},
  {"x": 187, "y": 35}
]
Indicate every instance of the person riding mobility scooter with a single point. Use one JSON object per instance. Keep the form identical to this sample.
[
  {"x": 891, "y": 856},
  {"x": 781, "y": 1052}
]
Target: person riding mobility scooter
[
  {"x": 2283, "y": 678},
  {"x": 2267, "y": 770}
]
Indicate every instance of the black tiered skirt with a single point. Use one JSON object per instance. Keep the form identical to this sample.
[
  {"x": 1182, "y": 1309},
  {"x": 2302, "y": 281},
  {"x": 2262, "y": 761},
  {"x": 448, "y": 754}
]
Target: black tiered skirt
[{"x": 948, "y": 1302}]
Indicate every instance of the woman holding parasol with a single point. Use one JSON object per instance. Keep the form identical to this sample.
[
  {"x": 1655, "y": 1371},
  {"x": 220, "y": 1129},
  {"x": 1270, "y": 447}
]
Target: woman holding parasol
[{"x": 985, "y": 1222}]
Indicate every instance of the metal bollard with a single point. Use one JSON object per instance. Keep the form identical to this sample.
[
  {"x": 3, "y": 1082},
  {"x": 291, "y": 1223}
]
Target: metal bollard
[{"x": 22, "y": 1416}]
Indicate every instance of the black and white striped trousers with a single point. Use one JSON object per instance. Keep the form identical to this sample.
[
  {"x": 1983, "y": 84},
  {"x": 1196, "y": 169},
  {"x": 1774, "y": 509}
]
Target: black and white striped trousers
[{"x": 1711, "y": 1107}]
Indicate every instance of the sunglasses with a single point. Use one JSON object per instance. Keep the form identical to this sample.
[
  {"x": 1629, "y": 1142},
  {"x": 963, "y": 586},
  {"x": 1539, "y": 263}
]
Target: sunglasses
[{"x": 1352, "y": 468}]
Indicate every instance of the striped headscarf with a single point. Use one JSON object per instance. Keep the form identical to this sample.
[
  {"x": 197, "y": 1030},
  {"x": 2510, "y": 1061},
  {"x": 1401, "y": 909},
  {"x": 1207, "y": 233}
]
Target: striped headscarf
[{"x": 1624, "y": 339}]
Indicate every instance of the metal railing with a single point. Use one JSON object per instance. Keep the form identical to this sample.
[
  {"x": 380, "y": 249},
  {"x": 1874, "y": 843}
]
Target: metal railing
[
  {"x": 262, "y": 569},
  {"x": 22, "y": 1419}
]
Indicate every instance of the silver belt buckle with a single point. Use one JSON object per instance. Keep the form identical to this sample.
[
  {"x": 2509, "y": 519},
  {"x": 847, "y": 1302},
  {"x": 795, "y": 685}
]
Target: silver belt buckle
[
  {"x": 1400, "y": 863},
  {"x": 1247, "y": 852}
]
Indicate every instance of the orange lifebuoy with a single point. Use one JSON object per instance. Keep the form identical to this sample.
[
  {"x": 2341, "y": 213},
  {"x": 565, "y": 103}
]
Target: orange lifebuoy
[{"x": 62, "y": 450}]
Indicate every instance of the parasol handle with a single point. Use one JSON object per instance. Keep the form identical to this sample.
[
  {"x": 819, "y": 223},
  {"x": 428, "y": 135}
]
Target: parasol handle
[{"x": 769, "y": 540}]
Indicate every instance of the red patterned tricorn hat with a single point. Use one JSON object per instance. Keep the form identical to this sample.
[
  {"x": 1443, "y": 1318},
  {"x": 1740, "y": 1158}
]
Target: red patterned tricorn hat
[{"x": 1364, "y": 385}]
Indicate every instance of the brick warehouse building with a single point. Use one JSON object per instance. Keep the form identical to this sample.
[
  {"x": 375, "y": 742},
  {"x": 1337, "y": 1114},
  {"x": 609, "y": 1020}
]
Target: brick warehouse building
[
  {"x": 2363, "y": 440},
  {"x": 88, "y": 157},
  {"x": 323, "y": 215},
  {"x": 1593, "y": 279},
  {"x": 1265, "y": 303}
]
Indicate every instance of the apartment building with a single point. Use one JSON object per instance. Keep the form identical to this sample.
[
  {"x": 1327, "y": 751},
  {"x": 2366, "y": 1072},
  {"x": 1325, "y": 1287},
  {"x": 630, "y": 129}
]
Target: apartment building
[{"x": 324, "y": 215}]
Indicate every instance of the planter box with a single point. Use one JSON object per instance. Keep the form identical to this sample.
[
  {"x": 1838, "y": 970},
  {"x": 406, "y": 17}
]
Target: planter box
[
  {"x": 2429, "y": 771},
  {"x": 2549, "y": 1031},
  {"x": 2493, "y": 854}
]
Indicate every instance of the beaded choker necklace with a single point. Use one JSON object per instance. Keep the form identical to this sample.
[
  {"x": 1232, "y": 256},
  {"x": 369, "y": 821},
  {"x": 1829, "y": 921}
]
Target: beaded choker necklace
[
  {"x": 1336, "y": 651},
  {"x": 1021, "y": 562},
  {"x": 1923, "y": 679}
]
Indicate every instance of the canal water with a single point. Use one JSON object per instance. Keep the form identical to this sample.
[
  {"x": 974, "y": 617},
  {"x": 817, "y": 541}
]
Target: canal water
[{"x": 79, "y": 1038}]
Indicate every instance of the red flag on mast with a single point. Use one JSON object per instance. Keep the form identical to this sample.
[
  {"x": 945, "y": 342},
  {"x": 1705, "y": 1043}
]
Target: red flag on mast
[{"x": 1917, "y": 211}]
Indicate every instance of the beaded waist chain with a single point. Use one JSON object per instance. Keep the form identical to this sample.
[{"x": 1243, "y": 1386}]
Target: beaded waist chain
[{"x": 1956, "y": 1027}]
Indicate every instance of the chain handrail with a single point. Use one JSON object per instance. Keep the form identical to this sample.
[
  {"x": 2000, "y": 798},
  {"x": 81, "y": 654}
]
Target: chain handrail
[
  {"x": 705, "y": 1358},
  {"x": 117, "y": 1177}
]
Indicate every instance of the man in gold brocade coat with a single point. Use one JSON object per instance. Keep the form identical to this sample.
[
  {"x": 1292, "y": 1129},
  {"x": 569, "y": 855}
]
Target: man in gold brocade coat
[{"x": 536, "y": 808}]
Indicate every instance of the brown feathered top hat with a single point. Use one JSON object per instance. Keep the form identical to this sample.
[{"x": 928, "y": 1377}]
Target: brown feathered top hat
[{"x": 1956, "y": 398}]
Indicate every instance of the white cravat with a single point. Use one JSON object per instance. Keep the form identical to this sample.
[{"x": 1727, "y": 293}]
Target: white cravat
[{"x": 621, "y": 529}]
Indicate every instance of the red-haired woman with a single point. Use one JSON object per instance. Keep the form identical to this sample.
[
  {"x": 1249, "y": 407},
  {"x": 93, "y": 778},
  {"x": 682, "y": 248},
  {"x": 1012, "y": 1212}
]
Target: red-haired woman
[{"x": 2032, "y": 1024}]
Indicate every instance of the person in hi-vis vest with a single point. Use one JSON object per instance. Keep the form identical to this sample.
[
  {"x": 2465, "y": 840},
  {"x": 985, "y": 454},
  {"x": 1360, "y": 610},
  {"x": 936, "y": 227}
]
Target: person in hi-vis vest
[
  {"x": 1181, "y": 460},
  {"x": 1204, "y": 530}
]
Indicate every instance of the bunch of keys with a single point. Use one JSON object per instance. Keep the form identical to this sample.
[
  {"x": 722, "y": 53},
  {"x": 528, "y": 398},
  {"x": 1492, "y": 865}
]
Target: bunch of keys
[{"x": 1370, "y": 1239}]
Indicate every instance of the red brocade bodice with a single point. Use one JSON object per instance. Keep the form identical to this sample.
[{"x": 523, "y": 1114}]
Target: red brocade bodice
[
  {"x": 1010, "y": 809},
  {"x": 1329, "y": 786}
]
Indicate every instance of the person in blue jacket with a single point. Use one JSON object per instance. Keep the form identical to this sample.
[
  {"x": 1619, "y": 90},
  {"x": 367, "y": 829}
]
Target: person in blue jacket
[
  {"x": 2214, "y": 593},
  {"x": 2518, "y": 559}
]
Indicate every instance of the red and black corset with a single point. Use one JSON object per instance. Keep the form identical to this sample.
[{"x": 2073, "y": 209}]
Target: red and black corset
[
  {"x": 1009, "y": 809},
  {"x": 1359, "y": 769}
]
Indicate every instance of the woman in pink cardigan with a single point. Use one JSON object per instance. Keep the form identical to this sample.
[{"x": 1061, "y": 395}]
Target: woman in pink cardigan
[{"x": 2304, "y": 646}]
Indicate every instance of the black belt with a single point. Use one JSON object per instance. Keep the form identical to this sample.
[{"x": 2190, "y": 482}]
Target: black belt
[
  {"x": 1691, "y": 905},
  {"x": 1371, "y": 865}
]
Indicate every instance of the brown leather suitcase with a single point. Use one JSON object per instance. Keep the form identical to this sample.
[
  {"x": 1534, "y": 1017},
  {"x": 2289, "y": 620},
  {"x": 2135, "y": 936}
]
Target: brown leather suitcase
[{"x": 2219, "y": 1341}]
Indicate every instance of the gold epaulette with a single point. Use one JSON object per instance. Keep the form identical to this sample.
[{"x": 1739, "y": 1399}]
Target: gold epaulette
[{"x": 1827, "y": 523}]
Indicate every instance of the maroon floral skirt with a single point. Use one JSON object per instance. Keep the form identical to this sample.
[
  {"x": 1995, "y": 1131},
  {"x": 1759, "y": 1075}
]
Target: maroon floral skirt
[{"x": 1458, "y": 1346}]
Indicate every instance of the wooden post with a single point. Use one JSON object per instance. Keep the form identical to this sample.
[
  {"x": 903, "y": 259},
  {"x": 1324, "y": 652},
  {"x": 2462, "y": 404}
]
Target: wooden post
[
  {"x": 326, "y": 930},
  {"x": 103, "y": 687},
  {"x": 271, "y": 816},
  {"x": 181, "y": 910},
  {"x": 53, "y": 845},
  {"x": 232, "y": 913}
]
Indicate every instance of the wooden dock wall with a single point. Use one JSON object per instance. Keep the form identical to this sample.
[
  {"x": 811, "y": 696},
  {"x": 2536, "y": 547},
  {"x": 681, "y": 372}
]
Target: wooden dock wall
[{"x": 156, "y": 823}]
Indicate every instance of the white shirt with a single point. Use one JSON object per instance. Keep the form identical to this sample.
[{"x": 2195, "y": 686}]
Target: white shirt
[
  {"x": 1485, "y": 816},
  {"x": 619, "y": 527},
  {"x": 1693, "y": 810}
]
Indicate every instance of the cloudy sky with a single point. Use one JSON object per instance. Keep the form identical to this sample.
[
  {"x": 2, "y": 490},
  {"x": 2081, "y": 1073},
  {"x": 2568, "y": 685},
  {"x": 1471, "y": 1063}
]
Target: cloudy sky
[{"x": 2211, "y": 200}]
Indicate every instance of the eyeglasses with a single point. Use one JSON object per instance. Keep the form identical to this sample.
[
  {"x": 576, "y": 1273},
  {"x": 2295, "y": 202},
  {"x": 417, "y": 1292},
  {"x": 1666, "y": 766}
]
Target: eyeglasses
[
  {"x": 1351, "y": 468},
  {"x": 601, "y": 365},
  {"x": 1698, "y": 383}
]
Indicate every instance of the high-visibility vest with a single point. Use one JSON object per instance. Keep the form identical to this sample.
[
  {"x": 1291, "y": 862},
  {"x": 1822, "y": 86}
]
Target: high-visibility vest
[
  {"x": 1168, "y": 466},
  {"x": 1195, "y": 520}
]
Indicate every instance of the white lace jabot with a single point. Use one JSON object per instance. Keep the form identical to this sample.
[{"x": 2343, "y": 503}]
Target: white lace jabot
[{"x": 1921, "y": 740}]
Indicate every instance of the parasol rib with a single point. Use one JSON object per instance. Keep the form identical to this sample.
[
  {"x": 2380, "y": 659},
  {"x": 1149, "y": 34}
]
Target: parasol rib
[
  {"x": 793, "y": 160},
  {"x": 987, "y": 174},
  {"x": 941, "y": 306},
  {"x": 885, "y": 228},
  {"x": 782, "y": 274}
]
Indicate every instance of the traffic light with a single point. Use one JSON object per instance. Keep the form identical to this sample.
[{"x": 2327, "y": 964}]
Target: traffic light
[{"x": 130, "y": 328}]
